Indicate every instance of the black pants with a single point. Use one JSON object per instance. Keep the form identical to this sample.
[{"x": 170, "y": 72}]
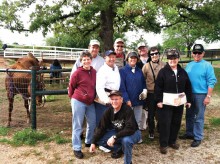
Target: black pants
[
  {"x": 151, "y": 104},
  {"x": 169, "y": 118}
]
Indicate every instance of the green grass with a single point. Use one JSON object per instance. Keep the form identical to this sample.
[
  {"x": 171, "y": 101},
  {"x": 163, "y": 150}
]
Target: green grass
[
  {"x": 217, "y": 86},
  {"x": 215, "y": 122},
  {"x": 4, "y": 131},
  {"x": 30, "y": 137}
]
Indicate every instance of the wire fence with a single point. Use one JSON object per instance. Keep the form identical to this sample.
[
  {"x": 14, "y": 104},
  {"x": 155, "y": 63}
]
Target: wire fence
[{"x": 55, "y": 114}]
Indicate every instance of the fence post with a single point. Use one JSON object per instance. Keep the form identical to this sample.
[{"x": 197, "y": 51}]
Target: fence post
[{"x": 33, "y": 98}]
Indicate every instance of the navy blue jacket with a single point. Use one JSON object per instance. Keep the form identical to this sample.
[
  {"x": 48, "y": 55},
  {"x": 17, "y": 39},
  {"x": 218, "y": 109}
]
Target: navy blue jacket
[{"x": 132, "y": 84}]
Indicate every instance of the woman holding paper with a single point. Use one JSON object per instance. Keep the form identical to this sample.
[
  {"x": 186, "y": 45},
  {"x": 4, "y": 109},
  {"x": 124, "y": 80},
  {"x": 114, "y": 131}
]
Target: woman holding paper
[{"x": 172, "y": 91}]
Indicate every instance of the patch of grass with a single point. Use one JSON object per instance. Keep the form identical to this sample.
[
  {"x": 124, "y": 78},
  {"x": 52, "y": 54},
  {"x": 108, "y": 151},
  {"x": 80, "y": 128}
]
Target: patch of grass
[
  {"x": 27, "y": 137},
  {"x": 4, "y": 131},
  {"x": 217, "y": 86},
  {"x": 215, "y": 122},
  {"x": 60, "y": 140},
  {"x": 50, "y": 98}
]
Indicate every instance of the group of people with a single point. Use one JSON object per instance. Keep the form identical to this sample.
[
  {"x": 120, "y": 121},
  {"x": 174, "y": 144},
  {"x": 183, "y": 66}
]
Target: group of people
[{"x": 113, "y": 93}]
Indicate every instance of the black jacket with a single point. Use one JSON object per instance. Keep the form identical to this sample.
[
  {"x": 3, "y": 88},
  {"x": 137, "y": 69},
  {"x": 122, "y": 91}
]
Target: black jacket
[
  {"x": 123, "y": 122},
  {"x": 167, "y": 82}
]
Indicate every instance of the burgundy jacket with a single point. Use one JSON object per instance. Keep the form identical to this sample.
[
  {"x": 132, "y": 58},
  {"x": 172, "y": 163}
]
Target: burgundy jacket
[{"x": 82, "y": 85}]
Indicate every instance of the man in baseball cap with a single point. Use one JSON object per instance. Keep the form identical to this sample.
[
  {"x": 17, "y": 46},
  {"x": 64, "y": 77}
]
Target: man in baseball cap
[
  {"x": 143, "y": 53},
  {"x": 123, "y": 133},
  {"x": 97, "y": 60},
  {"x": 120, "y": 56}
]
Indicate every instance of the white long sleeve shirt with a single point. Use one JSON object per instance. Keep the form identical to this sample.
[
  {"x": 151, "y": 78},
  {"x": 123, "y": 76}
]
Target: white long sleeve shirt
[{"x": 107, "y": 78}]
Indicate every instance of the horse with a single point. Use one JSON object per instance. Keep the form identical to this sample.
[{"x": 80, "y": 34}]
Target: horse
[{"x": 20, "y": 83}]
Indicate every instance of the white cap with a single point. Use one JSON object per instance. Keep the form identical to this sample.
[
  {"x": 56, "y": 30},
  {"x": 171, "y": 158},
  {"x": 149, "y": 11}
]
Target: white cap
[
  {"x": 94, "y": 42},
  {"x": 141, "y": 44},
  {"x": 119, "y": 40}
]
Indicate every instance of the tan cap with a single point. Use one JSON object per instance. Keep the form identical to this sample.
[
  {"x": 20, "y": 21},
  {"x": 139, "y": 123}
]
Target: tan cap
[
  {"x": 94, "y": 42},
  {"x": 141, "y": 44},
  {"x": 119, "y": 40}
]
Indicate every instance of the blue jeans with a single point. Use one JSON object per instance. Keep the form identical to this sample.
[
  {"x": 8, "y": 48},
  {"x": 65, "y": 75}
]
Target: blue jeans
[
  {"x": 99, "y": 111},
  {"x": 126, "y": 143},
  {"x": 79, "y": 111},
  {"x": 138, "y": 114},
  {"x": 195, "y": 117}
]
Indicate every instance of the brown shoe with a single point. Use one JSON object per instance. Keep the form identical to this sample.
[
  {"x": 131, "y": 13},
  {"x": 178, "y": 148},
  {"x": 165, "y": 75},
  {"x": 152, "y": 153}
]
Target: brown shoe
[
  {"x": 175, "y": 146},
  {"x": 163, "y": 150}
]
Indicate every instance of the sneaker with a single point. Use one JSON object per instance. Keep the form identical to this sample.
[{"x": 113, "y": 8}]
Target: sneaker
[
  {"x": 78, "y": 154},
  {"x": 140, "y": 141},
  {"x": 175, "y": 146},
  {"x": 163, "y": 150},
  {"x": 196, "y": 143},
  {"x": 104, "y": 149},
  {"x": 186, "y": 137},
  {"x": 87, "y": 145},
  {"x": 117, "y": 154},
  {"x": 151, "y": 136}
]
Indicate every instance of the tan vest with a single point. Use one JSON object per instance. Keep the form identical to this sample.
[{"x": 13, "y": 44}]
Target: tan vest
[{"x": 149, "y": 75}]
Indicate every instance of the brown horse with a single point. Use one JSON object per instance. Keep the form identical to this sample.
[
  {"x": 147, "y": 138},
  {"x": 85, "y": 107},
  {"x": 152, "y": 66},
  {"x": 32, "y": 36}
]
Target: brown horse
[{"x": 20, "y": 83}]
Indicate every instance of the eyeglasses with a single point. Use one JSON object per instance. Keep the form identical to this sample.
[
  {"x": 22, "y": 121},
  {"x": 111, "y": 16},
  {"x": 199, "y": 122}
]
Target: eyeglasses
[
  {"x": 120, "y": 46},
  {"x": 199, "y": 53},
  {"x": 156, "y": 53}
]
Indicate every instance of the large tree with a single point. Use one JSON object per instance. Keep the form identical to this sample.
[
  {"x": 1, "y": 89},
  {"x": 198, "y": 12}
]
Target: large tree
[{"x": 108, "y": 18}]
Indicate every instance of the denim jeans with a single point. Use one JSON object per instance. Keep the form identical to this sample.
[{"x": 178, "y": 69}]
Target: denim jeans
[
  {"x": 126, "y": 143},
  {"x": 138, "y": 114},
  {"x": 79, "y": 111},
  {"x": 195, "y": 117},
  {"x": 99, "y": 111}
]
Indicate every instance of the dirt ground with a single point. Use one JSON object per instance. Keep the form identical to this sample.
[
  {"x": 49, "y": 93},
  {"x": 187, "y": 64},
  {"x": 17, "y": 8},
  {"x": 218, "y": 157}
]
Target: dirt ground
[{"x": 55, "y": 117}]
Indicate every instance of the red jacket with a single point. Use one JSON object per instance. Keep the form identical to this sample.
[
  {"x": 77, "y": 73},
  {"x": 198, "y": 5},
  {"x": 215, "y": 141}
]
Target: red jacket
[{"x": 82, "y": 85}]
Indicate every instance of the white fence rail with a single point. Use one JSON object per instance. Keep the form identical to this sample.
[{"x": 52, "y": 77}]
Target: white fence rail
[{"x": 46, "y": 52}]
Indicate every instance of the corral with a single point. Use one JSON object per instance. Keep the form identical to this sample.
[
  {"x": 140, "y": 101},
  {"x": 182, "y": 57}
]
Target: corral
[{"x": 55, "y": 118}]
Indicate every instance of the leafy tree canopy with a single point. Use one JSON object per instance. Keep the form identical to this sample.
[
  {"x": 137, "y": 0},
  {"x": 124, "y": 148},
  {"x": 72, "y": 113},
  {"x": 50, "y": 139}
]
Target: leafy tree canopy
[{"x": 106, "y": 19}]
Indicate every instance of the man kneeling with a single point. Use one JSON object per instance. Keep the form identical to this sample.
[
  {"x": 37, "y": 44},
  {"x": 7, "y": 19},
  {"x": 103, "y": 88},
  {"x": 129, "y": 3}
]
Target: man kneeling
[{"x": 118, "y": 129}]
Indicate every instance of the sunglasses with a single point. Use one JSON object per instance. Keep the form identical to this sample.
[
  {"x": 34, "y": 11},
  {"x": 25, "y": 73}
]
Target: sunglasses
[
  {"x": 120, "y": 46},
  {"x": 199, "y": 53},
  {"x": 156, "y": 53}
]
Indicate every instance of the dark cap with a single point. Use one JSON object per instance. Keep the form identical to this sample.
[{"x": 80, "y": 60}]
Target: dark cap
[
  {"x": 109, "y": 52},
  {"x": 172, "y": 53},
  {"x": 132, "y": 54},
  {"x": 198, "y": 48},
  {"x": 115, "y": 93}
]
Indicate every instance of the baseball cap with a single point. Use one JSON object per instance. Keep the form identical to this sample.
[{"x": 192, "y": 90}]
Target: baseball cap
[
  {"x": 132, "y": 54},
  {"x": 198, "y": 48},
  {"x": 172, "y": 53},
  {"x": 119, "y": 40},
  {"x": 141, "y": 44},
  {"x": 109, "y": 52},
  {"x": 94, "y": 42},
  {"x": 115, "y": 93}
]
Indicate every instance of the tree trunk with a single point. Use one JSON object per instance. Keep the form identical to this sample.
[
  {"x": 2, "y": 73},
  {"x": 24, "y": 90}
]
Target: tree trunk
[{"x": 107, "y": 31}]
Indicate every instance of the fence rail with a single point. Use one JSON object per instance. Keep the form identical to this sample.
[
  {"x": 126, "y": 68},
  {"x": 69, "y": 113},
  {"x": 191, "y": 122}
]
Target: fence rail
[{"x": 46, "y": 52}]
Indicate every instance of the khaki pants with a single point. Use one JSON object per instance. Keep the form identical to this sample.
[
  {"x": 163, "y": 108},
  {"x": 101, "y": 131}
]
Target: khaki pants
[{"x": 143, "y": 125}]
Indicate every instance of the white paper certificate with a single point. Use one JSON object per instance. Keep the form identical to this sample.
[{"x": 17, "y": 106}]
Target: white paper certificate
[{"x": 174, "y": 99}]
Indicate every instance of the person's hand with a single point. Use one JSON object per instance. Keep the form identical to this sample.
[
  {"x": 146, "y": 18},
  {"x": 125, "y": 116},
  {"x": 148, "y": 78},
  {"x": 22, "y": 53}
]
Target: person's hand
[
  {"x": 92, "y": 148},
  {"x": 160, "y": 105},
  {"x": 207, "y": 100},
  {"x": 188, "y": 105},
  {"x": 129, "y": 103},
  {"x": 111, "y": 141},
  {"x": 143, "y": 95}
]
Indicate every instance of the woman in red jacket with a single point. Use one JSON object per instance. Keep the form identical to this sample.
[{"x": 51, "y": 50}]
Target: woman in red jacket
[{"x": 82, "y": 93}]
